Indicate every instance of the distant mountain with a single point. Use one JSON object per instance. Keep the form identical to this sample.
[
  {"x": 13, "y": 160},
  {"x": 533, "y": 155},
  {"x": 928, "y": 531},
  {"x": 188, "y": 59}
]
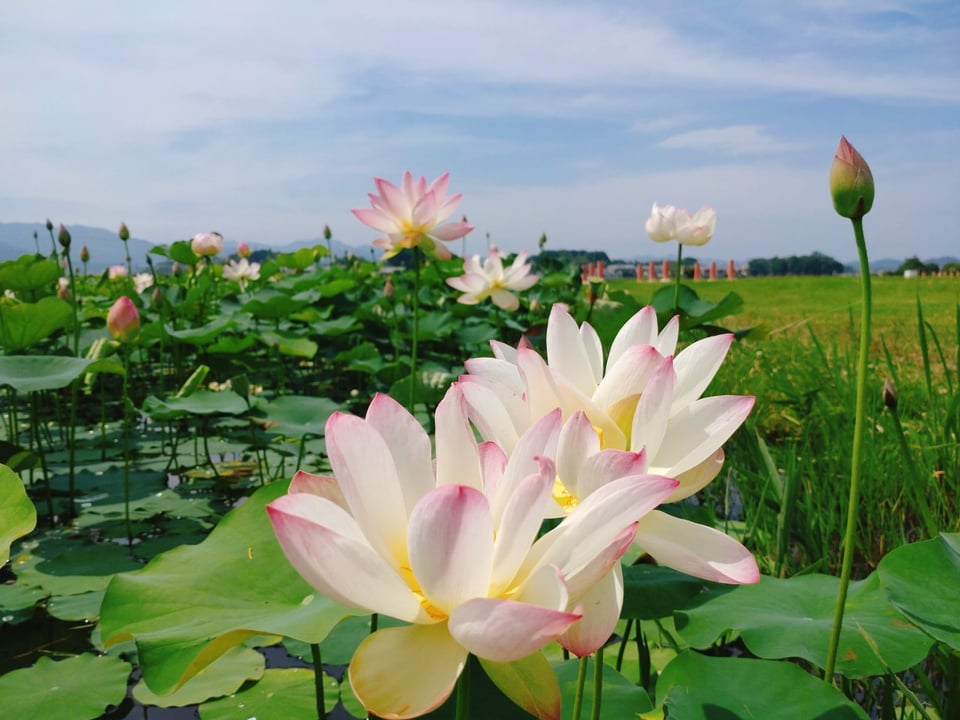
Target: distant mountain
[{"x": 105, "y": 246}]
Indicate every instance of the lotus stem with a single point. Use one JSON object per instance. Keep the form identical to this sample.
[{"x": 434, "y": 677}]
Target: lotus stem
[
  {"x": 125, "y": 356},
  {"x": 318, "y": 681},
  {"x": 581, "y": 681},
  {"x": 597, "y": 683},
  {"x": 416, "y": 328},
  {"x": 463, "y": 692},
  {"x": 676, "y": 285},
  {"x": 858, "y": 428}
]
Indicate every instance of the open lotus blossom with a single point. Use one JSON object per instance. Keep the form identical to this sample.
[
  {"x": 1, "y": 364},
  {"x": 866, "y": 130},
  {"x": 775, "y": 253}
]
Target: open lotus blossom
[
  {"x": 411, "y": 215},
  {"x": 491, "y": 280},
  {"x": 115, "y": 272},
  {"x": 670, "y": 223},
  {"x": 241, "y": 271},
  {"x": 207, "y": 244},
  {"x": 450, "y": 546},
  {"x": 644, "y": 400},
  {"x": 141, "y": 281}
]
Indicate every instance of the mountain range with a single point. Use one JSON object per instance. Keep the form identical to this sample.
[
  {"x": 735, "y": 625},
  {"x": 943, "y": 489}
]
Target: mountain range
[{"x": 106, "y": 248}]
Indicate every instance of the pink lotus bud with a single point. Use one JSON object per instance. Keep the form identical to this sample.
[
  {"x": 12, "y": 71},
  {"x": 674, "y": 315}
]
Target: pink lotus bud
[
  {"x": 851, "y": 182},
  {"x": 243, "y": 250},
  {"x": 207, "y": 244},
  {"x": 84, "y": 253},
  {"x": 115, "y": 272},
  {"x": 123, "y": 320}
]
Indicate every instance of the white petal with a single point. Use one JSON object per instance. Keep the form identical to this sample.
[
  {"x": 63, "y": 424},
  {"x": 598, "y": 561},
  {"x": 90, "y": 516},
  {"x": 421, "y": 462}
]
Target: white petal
[
  {"x": 567, "y": 354},
  {"x": 628, "y": 376},
  {"x": 696, "y": 549},
  {"x": 458, "y": 460},
  {"x": 641, "y": 329},
  {"x": 601, "y": 612},
  {"x": 496, "y": 412},
  {"x": 696, "y": 365},
  {"x": 652, "y": 415},
  {"x": 519, "y": 524},
  {"x": 696, "y": 478},
  {"x": 667, "y": 339},
  {"x": 408, "y": 443}
]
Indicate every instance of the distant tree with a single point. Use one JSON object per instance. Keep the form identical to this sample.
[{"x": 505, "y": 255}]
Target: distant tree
[
  {"x": 951, "y": 267},
  {"x": 560, "y": 258},
  {"x": 915, "y": 263},
  {"x": 814, "y": 264}
]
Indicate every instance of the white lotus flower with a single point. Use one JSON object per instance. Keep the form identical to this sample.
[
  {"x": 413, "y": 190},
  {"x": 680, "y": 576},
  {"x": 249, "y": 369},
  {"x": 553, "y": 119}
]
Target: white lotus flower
[{"x": 491, "y": 280}]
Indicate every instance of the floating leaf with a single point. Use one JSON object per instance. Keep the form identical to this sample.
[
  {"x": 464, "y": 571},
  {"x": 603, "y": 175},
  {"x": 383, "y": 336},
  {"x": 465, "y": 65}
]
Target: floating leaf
[
  {"x": 201, "y": 335},
  {"x": 222, "y": 677},
  {"x": 298, "y": 415},
  {"x": 289, "y": 343},
  {"x": 65, "y": 567},
  {"x": 921, "y": 580},
  {"x": 191, "y": 604},
  {"x": 697, "y": 687},
  {"x": 84, "y": 607},
  {"x": 78, "y": 688},
  {"x": 202, "y": 402},
  {"x": 793, "y": 618},
  {"x": 18, "y": 516},
  {"x": 287, "y": 693}
]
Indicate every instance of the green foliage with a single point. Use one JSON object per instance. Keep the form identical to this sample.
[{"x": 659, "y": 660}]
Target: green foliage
[
  {"x": 813, "y": 264},
  {"x": 17, "y": 514}
]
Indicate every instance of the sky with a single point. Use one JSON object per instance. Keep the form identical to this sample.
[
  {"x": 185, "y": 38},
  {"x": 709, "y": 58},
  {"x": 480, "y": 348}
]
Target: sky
[{"x": 266, "y": 121}]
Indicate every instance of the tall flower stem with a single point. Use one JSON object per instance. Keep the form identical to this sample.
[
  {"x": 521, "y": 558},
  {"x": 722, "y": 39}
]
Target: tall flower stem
[
  {"x": 852, "y": 504},
  {"x": 318, "y": 681},
  {"x": 463, "y": 692},
  {"x": 597, "y": 683},
  {"x": 581, "y": 681},
  {"x": 416, "y": 327},
  {"x": 676, "y": 285},
  {"x": 72, "y": 426},
  {"x": 125, "y": 358}
]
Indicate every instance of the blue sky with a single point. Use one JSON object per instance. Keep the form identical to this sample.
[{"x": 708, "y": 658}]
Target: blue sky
[{"x": 265, "y": 121}]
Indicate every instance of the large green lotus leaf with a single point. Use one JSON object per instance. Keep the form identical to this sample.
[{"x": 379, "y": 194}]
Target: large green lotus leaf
[
  {"x": 289, "y": 343},
  {"x": 653, "y": 591},
  {"x": 202, "y": 402},
  {"x": 25, "y": 324},
  {"x": 31, "y": 373},
  {"x": 65, "y": 566},
  {"x": 287, "y": 693},
  {"x": 78, "y": 688},
  {"x": 191, "y": 604},
  {"x": 223, "y": 676},
  {"x": 298, "y": 415},
  {"x": 84, "y": 607},
  {"x": 202, "y": 335},
  {"x": 698, "y": 687},
  {"x": 922, "y": 580},
  {"x": 620, "y": 698},
  {"x": 337, "y": 326},
  {"x": 269, "y": 304},
  {"x": 29, "y": 273},
  {"x": 17, "y": 602},
  {"x": 229, "y": 345},
  {"x": 793, "y": 618},
  {"x": 182, "y": 252},
  {"x": 18, "y": 516}
]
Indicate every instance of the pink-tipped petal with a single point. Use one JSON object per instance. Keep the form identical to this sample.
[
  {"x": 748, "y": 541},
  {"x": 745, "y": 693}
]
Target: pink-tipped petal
[
  {"x": 652, "y": 414},
  {"x": 376, "y": 219},
  {"x": 389, "y": 685},
  {"x": 451, "y": 231},
  {"x": 408, "y": 444},
  {"x": 451, "y": 545},
  {"x": 323, "y": 544},
  {"x": 458, "y": 460},
  {"x": 641, "y": 329},
  {"x": 628, "y": 376},
  {"x": 696, "y": 478},
  {"x": 517, "y": 528},
  {"x": 394, "y": 201},
  {"x": 322, "y": 485},
  {"x": 601, "y": 612},
  {"x": 505, "y": 630},
  {"x": 696, "y": 365},
  {"x": 696, "y": 549}
]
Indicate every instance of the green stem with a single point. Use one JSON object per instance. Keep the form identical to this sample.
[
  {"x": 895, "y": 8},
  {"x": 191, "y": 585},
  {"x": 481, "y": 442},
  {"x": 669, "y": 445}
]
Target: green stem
[
  {"x": 918, "y": 480},
  {"x": 318, "y": 681},
  {"x": 72, "y": 427},
  {"x": 676, "y": 286},
  {"x": 35, "y": 426},
  {"x": 463, "y": 692},
  {"x": 581, "y": 681},
  {"x": 125, "y": 358},
  {"x": 623, "y": 643},
  {"x": 416, "y": 327},
  {"x": 858, "y": 428},
  {"x": 597, "y": 683}
]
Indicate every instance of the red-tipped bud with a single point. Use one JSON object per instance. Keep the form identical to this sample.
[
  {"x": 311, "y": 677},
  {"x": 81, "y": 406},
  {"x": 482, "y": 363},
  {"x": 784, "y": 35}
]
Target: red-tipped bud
[
  {"x": 851, "y": 182},
  {"x": 84, "y": 253},
  {"x": 123, "y": 320},
  {"x": 243, "y": 250}
]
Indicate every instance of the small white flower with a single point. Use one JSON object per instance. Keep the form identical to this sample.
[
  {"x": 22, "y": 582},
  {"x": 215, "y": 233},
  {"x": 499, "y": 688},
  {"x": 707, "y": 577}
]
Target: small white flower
[
  {"x": 241, "y": 271},
  {"x": 141, "y": 281},
  {"x": 668, "y": 223},
  {"x": 492, "y": 280}
]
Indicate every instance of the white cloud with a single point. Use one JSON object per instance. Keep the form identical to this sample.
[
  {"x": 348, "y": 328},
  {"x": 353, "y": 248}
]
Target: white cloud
[{"x": 730, "y": 140}]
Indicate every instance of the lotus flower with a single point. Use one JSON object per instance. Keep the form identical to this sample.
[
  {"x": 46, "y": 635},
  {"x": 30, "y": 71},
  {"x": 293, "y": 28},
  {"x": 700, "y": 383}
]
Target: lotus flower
[
  {"x": 645, "y": 400},
  {"x": 141, "y": 281},
  {"x": 123, "y": 320},
  {"x": 410, "y": 216},
  {"x": 450, "y": 546},
  {"x": 243, "y": 250},
  {"x": 207, "y": 244},
  {"x": 115, "y": 272},
  {"x": 491, "y": 280},
  {"x": 851, "y": 182},
  {"x": 669, "y": 223},
  {"x": 241, "y": 271}
]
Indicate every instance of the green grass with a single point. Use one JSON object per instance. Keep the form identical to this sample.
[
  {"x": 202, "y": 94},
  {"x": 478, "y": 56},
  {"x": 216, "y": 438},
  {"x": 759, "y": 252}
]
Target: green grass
[{"x": 790, "y": 464}]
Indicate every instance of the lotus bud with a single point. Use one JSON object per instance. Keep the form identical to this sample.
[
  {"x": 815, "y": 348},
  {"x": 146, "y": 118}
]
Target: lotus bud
[
  {"x": 123, "y": 320},
  {"x": 243, "y": 250},
  {"x": 49, "y": 225},
  {"x": 889, "y": 395},
  {"x": 63, "y": 237},
  {"x": 543, "y": 240},
  {"x": 851, "y": 182},
  {"x": 63, "y": 288},
  {"x": 327, "y": 233},
  {"x": 207, "y": 244},
  {"x": 388, "y": 287},
  {"x": 124, "y": 232},
  {"x": 156, "y": 297},
  {"x": 84, "y": 253}
]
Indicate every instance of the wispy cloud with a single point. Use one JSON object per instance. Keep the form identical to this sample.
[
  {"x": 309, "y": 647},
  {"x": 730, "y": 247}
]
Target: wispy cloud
[{"x": 730, "y": 140}]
